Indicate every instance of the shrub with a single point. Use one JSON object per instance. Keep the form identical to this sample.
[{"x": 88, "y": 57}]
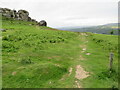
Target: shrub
[{"x": 26, "y": 61}]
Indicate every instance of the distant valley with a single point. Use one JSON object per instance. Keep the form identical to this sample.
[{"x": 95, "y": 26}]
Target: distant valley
[{"x": 111, "y": 28}]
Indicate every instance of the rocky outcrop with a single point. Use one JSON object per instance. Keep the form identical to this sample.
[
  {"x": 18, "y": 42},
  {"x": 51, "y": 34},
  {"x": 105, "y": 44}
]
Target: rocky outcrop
[{"x": 20, "y": 15}]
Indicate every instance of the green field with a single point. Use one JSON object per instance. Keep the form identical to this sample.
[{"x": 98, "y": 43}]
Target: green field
[{"x": 42, "y": 57}]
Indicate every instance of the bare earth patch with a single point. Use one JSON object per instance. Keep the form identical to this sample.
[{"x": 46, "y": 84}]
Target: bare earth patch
[
  {"x": 84, "y": 34},
  {"x": 21, "y": 67},
  {"x": 81, "y": 57},
  {"x": 80, "y": 73},
  {"x": 57, "y": 65},
  {"x": 78, "y": 85},
  {"x": 84, "y": 49},
  {"x": 70, "y": 71},
  {"x": 88, "y": 53},
  {"x": 14, "y": 73},
  {"x": 64, "y": 77}
]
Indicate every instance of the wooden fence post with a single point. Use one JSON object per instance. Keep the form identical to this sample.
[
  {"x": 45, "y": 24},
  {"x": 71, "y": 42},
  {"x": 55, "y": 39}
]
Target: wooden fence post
[{"x": 111, "y": 61}]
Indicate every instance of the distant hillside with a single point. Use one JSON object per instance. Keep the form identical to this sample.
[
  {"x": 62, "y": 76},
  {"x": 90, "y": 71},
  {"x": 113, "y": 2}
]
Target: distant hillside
[{"x": 102, "y": 29}]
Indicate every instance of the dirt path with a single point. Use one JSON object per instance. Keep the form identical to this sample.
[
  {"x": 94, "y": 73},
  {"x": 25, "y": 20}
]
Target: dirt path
[{"x": 80, "y": 72}]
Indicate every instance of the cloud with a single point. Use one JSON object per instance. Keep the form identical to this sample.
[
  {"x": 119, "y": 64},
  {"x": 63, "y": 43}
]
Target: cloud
[{"x": 60, "y": 1}]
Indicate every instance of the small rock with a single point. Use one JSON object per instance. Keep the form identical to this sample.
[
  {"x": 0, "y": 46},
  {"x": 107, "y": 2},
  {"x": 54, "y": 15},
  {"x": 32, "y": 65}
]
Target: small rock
[
  {"x": 3, "y": 30},
  {"x": 13, "y": 73},
  {"x": 84, "y": 49},
  {"x": 88, "y": 53},
  {"x": 50, "y": 82}
]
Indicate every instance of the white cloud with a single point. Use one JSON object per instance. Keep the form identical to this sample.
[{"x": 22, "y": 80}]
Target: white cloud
[
  {"x": 61, "y": 1},
  {"x": 60, "y": 13}
]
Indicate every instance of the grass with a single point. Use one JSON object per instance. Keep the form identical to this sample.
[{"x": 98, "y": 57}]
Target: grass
[
  {"x": 40, "y": 57},
  {"x": 100, "y": 46},
  {"x": 37, "y": 55}
]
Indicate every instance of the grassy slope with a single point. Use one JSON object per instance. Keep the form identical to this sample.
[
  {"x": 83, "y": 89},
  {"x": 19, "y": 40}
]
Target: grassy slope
[
  {"x": 97, "y": 63},
  {"x": 40, "y": 57},
  {"x": 101, "y": 29}
]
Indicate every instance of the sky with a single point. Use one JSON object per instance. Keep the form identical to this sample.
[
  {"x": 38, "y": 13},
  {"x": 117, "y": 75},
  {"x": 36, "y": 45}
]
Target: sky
[{"x": 68, "y": 13}]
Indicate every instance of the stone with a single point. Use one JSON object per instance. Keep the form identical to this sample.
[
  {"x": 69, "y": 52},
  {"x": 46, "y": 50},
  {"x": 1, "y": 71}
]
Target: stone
[
  {"x": 33, "y": 20},
  {"x": 42, "y": 23},
  {"x": 15, "y": 14},
  {"x": 3, "y": 30},
  {"x": 1, "y": 10},
  {"x": 29, "y": 18},
  {"x": 23, "y": 15}
]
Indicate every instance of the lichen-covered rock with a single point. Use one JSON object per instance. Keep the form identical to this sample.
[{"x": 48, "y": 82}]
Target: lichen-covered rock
[
  {"x": 5, "y": 12},
  {"x": 33, "y": 20},
  {"x": 23, "y": 14},
  {"x": 20, "y": 15},
  {"x": 42, "y": 23},
  {"x": 29, "y": 18},
  {"x": 13, "y": 14}
]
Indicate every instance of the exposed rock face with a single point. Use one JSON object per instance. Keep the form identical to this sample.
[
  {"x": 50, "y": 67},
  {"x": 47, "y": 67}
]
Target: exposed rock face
[{"x": 42, "y": 23}]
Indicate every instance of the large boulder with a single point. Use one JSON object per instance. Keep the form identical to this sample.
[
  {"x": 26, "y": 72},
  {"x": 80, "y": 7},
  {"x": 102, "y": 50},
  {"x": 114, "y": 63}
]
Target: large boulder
[
  {"x": 8, "y": 13},
  {"x": 33, "y": 20},
  {"x": 29, "y": 18},
  {"x": 23, "y": 15},
  {"x": 5, "y": 12},
  {"x": 42, "y": 23},
  {"x": 13, "y": 14}
]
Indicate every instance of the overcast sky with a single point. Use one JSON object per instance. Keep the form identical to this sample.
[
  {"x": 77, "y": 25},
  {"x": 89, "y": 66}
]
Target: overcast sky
[{"x": 65, "y": 13}]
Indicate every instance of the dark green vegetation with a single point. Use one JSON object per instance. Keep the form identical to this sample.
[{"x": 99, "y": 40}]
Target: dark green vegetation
[
  {"x": 102, "y": 29},
  {"x": 40, "y": 57}
]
